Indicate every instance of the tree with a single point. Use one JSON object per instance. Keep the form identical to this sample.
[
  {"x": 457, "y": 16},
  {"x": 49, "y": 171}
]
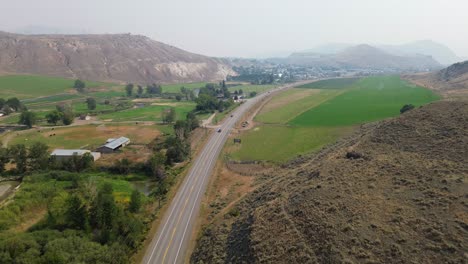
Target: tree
[
  {"x": 38, "y": 156},
  {"x": 76, "y": 215},
  {"x": 4, "y": 159},
  {"x": 2, "y": 103},
  {"x": 91, "y": 102},
  {"x": 154, "y": 89},
  {"x": 169, "y": 115},
  {"x": 192, "y": 121},
  {"x": 253, "y": 94},
  {"x": 129, "y": 89},
  {"x": 406, "y": 107},
  {"x": 27, "y": 118},
  {"x": 135, "y": 202},
  {"x": 54, "y": 116},
  {"x": 241, "y": 92},
  {"x": 14, "y": 103},
  {"x": 140, "y": 90},
  {"x": 67, "y": 113},
  {"x": 156, "y": 165},
  {"x": 19, "y": 155},
  {"x": 67, "y": 118},
  {"x": 79, "y": 85},
  {"x": 79, "y": 163},
  {"x": 123, "y": 166},
  {"x": 178, "y": 97},
  {"x": 103, "y": 210}
]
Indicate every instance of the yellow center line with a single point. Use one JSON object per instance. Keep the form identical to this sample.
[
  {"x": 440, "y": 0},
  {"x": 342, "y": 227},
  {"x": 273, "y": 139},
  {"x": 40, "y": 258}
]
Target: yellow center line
[{"x": 175, "y": 228}]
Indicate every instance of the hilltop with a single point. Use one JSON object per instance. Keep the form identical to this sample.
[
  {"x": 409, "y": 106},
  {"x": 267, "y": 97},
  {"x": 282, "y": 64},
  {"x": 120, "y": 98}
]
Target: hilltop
[
  {"x": 111, "y": 57},
  {"x": 394, "y": 192},
  {"x": 363, "y": 57}
]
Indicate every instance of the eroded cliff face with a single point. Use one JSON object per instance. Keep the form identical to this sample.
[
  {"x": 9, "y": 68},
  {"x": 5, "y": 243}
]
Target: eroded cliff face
[{"x": 121, "y": 57}]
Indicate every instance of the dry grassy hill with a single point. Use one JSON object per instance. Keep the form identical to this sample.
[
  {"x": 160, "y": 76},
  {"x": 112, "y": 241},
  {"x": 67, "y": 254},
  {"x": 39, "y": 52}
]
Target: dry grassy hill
[
  {"x": 395, "y": 192},
  {"x": 451, "y": 81},
  {"x": 119, "y": 57}
]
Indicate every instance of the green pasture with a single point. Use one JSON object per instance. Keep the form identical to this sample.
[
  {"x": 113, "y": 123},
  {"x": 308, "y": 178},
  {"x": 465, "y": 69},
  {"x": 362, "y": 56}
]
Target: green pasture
[{"x": 369, "y": 99}]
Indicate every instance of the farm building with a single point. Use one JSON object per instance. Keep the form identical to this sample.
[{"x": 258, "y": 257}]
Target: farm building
[
  {"x": 65, "y": 154},
  {"x": 114, "y": 145}
]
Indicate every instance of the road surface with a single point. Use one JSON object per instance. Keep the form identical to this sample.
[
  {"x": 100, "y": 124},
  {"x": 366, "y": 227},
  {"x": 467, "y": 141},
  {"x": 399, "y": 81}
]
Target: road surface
[{"x": 171, "y": 241}]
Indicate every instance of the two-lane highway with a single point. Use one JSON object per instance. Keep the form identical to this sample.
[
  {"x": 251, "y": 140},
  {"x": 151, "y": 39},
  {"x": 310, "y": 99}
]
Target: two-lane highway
[{"x": 174, "y": 233}]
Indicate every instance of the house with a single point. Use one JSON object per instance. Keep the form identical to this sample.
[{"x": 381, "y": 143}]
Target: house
[
  {"x": 65, "y": 154},
  {"x": 113, "y": 145}
]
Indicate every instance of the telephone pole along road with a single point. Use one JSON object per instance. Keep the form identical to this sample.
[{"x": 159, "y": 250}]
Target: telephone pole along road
[{"x": 171, "y": 241}]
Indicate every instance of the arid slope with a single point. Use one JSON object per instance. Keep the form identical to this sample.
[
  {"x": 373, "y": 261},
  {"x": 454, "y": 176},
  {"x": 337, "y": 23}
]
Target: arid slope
[
  {"x": 395, "y": 192},
  {"x": 119, "y": 57}
]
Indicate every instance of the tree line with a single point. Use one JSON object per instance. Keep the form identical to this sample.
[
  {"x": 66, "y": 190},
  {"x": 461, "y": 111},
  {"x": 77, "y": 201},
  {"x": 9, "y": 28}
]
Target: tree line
[{"x": 37, "y": 158}]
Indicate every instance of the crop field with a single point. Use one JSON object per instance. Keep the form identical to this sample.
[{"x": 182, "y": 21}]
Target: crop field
[
  {"x": 331, "y": 84},
  {"x": 288, "y": 105},
  {"x": 27, "y": 86},
  {"x": 88, "y": 137},
  {"x": 302, "y": 120},
  {"x": 368, "y": 100},
  {"x": 280, "y": 143},
  {"x": 149, "y": 113}
]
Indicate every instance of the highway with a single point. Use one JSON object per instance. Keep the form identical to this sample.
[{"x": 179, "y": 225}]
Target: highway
[{"x": 170, "y": 244}]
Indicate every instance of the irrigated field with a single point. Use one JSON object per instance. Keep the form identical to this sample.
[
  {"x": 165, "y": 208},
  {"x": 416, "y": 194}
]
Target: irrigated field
[
  {"x": 304, "y": 119},
  {"x": 368, "y": 100},
  {"x": 248, "y": 88},
  {"x": 149, "y": 113},
  {"x": 175, "y": 88},
  {"x": 26, "y": 86}
]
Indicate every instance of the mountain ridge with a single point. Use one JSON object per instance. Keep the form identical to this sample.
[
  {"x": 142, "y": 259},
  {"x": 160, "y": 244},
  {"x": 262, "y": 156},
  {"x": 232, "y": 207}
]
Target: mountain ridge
[{"x": 106, "y": 57}]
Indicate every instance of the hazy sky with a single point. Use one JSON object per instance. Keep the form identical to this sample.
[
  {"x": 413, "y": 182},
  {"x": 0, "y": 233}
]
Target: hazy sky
[{"x": 251, "y": 27}]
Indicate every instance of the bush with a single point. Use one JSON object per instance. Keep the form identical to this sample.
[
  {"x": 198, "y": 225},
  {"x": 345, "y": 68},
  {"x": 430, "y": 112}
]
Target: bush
[{"x": 406, "y": 107}]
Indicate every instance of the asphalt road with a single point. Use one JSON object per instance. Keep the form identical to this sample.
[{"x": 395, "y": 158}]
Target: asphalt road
[{"x": 170, "y": 244}]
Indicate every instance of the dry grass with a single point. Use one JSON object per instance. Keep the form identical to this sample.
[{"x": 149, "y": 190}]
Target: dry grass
[{"x": 402, "y": 200}]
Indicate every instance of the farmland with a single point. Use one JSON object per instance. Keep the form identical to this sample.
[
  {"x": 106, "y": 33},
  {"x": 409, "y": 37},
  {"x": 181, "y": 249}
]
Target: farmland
[
  {"x": 88, "y": 137},
  {"x": 304, "y": 119},
  {"x": 26, "y": 86},
  {"x": 149, "y": 113}
]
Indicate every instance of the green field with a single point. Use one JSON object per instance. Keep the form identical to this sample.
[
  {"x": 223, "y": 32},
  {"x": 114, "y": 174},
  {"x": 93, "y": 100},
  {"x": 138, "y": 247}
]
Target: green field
[
  {"x": 149, "y": 113},
  {"x": 280, "y": 143},
  {"x": 367, "y": 100},
  {"x": 296, "y": 122},
  {"x": 27, "y": 86},
  {"x": 330, "y": 84},
  {"x": 282, "y": 115}
]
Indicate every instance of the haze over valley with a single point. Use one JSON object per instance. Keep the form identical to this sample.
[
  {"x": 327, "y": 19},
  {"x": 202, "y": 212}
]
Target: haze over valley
[{"x": 233, "y": 132}]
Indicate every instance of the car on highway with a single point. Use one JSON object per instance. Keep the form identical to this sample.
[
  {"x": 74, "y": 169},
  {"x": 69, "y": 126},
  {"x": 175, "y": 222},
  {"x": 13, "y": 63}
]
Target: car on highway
[{"x": 219, "y": 130}]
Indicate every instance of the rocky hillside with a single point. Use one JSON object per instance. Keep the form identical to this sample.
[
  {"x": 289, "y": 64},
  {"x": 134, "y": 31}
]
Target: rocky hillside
[
  {"x": 120, "y": 57},
  {"x": 396, "y": 192},
  {"x": 451, "y": 81},
  {"x": 364, "y": 57}
]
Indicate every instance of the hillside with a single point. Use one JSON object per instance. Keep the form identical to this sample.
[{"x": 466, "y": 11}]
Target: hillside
[
  {"x": 439, "y": 52},
  {"x": 365, "y": 57},
  {"x": 119, "y": 57},
  {"x": 395, "y": 192},
  {"x": 451, "y": 81}
]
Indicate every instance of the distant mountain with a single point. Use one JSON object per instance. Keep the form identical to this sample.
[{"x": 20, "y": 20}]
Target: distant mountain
[
  {"x": 113, "y": 57},
  {"x": 331, "y": 48},
  {"x": 363, "y": 57},
  {"x": 439, "y": 52}
]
